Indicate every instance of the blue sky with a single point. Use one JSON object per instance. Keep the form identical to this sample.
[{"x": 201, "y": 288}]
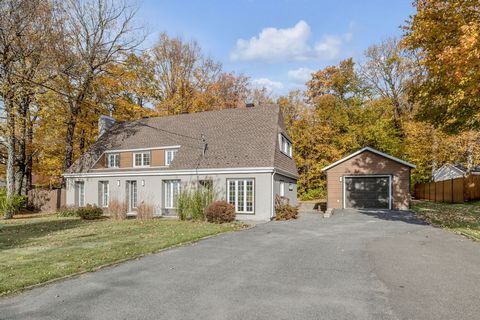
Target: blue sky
[{"x": 277, "y": 43}]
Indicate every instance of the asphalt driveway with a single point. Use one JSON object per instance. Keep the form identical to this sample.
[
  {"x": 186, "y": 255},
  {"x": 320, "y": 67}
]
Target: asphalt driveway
[{"x": 351, "y": 266}]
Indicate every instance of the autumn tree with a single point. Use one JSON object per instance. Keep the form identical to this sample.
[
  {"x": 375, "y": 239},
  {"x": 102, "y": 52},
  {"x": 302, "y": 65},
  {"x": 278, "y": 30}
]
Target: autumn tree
[
  {"x": 446, "y": 35},
  {"x": 23, "y": 57},
  {"x": 96, "y": 34},
  {"x": 342, "y": 82},
  {"x": 388, "y": 70},
  {"x": 189, "y": 81}
]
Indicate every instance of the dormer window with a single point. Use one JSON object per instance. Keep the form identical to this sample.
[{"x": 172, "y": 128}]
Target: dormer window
[
  {"x": 141, "y": 159},
  {"x": 113, "y": 160},
  {"x": 285, "y": 145},
  {"x": 169, "y": 156}
]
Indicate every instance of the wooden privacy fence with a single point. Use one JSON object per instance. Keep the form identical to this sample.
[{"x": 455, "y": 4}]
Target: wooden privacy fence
[
  {"x": 46, "y": 200},
  {"x": 454, "y": 190}
]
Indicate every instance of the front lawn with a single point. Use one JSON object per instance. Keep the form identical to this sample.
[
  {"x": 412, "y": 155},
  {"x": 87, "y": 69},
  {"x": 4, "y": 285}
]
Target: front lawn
[
  {"x": 461, "y": 218},
  {"x": 38, "y": 249}
]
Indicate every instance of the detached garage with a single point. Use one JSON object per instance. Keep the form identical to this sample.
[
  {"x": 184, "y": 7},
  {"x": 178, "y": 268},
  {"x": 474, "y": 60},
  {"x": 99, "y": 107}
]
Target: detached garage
[{"x": 369, "y": 179}]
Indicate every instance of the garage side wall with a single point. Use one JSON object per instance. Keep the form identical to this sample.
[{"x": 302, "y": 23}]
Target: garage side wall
[{"x": 369, "y": 163}]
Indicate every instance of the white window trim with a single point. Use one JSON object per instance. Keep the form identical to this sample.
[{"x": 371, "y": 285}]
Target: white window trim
[
  {"x": 369, "y": 176},
  {"x": 174, "y": 153},
  {"x": 244, "y": 196},
  {"x": 117, "y": 155},
  {"x": 142, "y": 159},
  {"x": 282, "y": 189}
]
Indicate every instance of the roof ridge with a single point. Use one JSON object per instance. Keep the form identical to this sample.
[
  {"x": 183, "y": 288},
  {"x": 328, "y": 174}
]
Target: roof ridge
[{"x": 203, "y": 112}]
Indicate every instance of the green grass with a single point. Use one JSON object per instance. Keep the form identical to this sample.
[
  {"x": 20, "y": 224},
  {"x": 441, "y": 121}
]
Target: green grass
[
  {"x": 35, "y": 250},
  {"x": 461, "y": 218}
]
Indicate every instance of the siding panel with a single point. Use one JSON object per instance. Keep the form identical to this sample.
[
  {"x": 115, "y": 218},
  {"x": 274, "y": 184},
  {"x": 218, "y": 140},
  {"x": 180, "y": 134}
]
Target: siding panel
[
  {"x": 126, "y": 159},
  {"x": 158, "y": 158}
]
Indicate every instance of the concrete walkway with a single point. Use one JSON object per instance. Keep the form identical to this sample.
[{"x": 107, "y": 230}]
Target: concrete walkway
[{"x": 351, "y": 266}]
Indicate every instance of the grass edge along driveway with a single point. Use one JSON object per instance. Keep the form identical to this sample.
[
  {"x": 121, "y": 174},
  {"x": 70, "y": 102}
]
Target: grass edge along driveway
[
  {"x": 40, "y": 249},
  {"x": 462, "y": 218}
]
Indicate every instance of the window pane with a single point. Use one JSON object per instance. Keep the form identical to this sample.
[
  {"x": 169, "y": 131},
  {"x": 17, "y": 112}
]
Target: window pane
[
  {"x": 134, "y": 195},
  {"x": 170, "y": 155},
  {"x": 80, "y": 193},
  {"x": 241, "y": 196},
  {"x": 168, "y": 195},
  {"x": 249, "y": 196},
  {"x": 105, "y": 193},
  {"x": 146, "y": 159},
  {"x": 138, "y": 159},
  {"x": 231, "y": 192},
  {"x": 175, "y": 189}
]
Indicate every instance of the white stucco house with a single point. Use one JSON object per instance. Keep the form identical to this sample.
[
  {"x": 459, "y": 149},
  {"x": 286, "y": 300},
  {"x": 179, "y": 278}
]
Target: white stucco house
[{"x": 245, "y": 153}]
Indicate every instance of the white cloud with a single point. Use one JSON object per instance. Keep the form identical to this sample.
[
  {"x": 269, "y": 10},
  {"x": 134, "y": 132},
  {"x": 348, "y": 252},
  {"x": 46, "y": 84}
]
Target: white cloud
[
  {"x": 270, "y": 85},
  {"x": 330, "y": 45},
  {"x": 300, "y": 75},
  {"x": 287, "y": 44}
]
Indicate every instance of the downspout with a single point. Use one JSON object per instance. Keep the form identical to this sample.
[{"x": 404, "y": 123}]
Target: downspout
[{"x": 272, "y": 213}]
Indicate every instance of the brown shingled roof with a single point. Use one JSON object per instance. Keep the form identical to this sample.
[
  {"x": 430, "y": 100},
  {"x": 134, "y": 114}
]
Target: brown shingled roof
[{"x": 236, "y": 138}]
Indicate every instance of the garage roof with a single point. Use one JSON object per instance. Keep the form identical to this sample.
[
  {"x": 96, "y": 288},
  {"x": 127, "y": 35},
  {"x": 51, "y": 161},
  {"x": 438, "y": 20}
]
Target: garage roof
[{"x": 373, "y": 151}]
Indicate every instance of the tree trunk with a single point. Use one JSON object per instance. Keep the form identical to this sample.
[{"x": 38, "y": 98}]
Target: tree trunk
[
  {"x": 470, "y": 150},
  {"x": 11, "y": 141},
  {"x": 22, "y": 147},
  {"x": 69, "y": 138},
  {"x": 82, "y": 141},
  {"x": 29, "y": 168},
  {"x": 434, "y": 151}
]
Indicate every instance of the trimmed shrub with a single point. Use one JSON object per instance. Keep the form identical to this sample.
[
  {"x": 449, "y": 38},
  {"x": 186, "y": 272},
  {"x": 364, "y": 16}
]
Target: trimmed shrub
[
  {"x": 67, "y": 211},
  {"x": 285, "y": 212},
  {"x": 145, "y": 211},
  {"x": 90, "y": 212},
  {"x": 220, "y": 212},
  {"x": 191, "y": 202},
  {"x": 117, "y": 209}
]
